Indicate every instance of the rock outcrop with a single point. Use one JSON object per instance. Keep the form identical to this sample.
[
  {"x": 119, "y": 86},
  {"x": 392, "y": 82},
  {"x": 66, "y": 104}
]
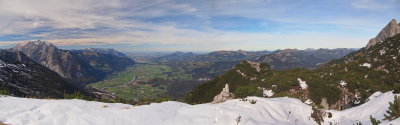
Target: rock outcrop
[
  {"x": 346, "y": 100},
  {"x": 77, "y": 66},
  {"x": 390, "y": 30},
  {"x": 223, "y": 96},
  {"x": 64, "y": 62}
]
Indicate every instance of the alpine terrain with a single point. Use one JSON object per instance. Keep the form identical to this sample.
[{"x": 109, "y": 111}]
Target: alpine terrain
[{"x": 208, "y": 62}]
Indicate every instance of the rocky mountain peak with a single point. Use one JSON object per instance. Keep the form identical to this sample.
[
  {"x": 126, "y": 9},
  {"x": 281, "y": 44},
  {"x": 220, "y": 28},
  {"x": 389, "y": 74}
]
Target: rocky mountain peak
[
  {"x": 22, "y": 76},
  {"x": 106, "y": 51},
  {"x": 35, "y": 43},
  {"x": 287, "y": 51},
  {"x": 391, "y": 29},
  {"x": 30, "y": 47},
  {"x": 63, "y": 62}
]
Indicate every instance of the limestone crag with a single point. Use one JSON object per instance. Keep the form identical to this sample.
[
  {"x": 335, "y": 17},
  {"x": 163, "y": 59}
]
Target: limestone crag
[
  {"x": 223, "y": 96},
  {"x": 64, "y": 62},
  {"x": 390, "y": 30}
]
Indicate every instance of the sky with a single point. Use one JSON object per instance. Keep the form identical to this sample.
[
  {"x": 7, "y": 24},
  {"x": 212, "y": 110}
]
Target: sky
[{"x": 195, "y": 25}]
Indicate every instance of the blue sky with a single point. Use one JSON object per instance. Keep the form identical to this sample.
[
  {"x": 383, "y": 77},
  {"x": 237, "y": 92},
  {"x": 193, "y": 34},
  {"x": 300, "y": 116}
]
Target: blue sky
[{"x": 195, "y": 25}]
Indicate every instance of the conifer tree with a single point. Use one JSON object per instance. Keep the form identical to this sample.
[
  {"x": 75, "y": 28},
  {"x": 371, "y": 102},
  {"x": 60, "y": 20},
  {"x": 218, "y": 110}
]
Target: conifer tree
[
  {"x": 394, "y": 110},
  {"x": 374, "y": 121}
]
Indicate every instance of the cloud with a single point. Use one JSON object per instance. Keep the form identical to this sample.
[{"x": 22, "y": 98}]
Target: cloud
[
  {"x": 375, "y": 4},
  {"x": 278, "y": 24}
]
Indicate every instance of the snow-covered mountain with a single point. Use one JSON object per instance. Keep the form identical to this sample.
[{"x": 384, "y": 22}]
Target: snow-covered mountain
[{"x": 265, "y": 111}]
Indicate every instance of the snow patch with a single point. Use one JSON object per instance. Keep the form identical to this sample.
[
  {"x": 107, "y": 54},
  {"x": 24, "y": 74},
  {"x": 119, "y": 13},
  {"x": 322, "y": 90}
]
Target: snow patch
[
  {"x": 343, "y": 83},
  {"x": 377, "y": 106},
  {"x": 241, "y": 73},
  {"x": 375, "y": 95},
  {"x": 267, "y": 92},
  {"x": 308, "y": 102},
  {"x": 302, "y": 83},
  {"x": 382, "y": 52},
  {"x": 366, "y": 65}
]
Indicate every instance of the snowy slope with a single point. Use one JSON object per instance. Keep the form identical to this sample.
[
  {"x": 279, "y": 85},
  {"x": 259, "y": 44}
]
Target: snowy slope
[
  {"x": 267, "y": 111},
  {"x": 376, "y": 106}
]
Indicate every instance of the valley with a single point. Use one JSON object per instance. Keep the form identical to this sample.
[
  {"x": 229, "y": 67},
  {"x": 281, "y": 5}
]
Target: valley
[
  {"x": 134, "y": 82},
  {"x": 173, "y": 75}
]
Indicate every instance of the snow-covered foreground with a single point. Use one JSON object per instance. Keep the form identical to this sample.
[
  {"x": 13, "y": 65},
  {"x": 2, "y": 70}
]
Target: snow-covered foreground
[{"x": 266, "y": 111}]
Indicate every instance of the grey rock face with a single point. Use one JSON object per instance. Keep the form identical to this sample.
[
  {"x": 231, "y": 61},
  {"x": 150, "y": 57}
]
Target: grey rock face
[
  {"x": 390, "y": 30},
  {"x": 64, "y": 62},
  {"x": 22, "y": 76}
]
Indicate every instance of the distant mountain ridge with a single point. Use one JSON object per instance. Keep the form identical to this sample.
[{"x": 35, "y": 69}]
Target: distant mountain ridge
[
  {"x": 109, "y": 51},
  {"x": 278, "y": 60},
  {"x": 215, "y": 56},
  {"x": 309, "y": 59}
]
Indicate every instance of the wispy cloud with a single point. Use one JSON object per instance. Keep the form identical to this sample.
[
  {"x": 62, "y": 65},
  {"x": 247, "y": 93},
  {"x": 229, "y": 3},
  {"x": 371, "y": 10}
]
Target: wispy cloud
[
  {"x": 227, "y": 24},
  {"x": 376, "y": 4}
]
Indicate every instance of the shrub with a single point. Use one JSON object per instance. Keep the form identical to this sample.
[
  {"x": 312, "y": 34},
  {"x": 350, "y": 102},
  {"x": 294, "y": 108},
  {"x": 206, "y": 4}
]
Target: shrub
[
  {"x": 253, "y": 101},
  {"x": 75, "y": 95},
  {"x": 4, "y": 92},
  {"x": 329, "y": 115},
  {"x": 244, "y": 91}
]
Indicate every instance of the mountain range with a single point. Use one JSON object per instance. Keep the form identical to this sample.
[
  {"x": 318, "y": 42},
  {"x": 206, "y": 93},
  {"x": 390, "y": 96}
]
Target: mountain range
[
  {"x": 339, "y": 84},
  {"x": 310, "y": 58},
  {"x": 76, "y": 66}
]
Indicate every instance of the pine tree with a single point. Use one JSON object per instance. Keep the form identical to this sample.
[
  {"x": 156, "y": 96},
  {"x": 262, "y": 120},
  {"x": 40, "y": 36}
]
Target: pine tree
[
  {"x": 394, "y": 110},
  {"x": 374, "y": 121}
]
